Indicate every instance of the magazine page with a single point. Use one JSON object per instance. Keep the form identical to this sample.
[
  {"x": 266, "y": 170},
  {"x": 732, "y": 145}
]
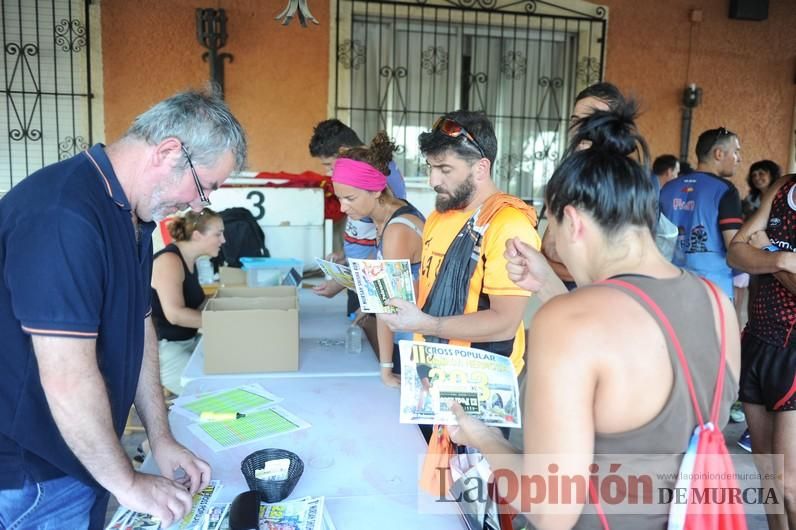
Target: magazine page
[
  {"x": 339, "y": 273},
  {"x": 377, "y": 281},
  {"x": 300, "y": 514},
  {"x": 217, "y": 517},
  {"x": 125, "y": 519},
  {"x": 433, "y": 376}
]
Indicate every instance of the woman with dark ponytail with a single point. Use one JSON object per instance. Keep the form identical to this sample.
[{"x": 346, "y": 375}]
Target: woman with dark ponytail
[
  {"x": 176, "y": 292},
  {"x": 359, "y": 176},
  {"x": 603, "y": 376}
]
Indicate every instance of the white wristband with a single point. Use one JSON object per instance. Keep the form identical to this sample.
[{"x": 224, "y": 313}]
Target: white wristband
[{"x": 386, "y": 365}]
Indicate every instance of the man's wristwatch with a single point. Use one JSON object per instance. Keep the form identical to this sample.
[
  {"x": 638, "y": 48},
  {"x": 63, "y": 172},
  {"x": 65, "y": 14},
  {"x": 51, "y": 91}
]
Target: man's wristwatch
[{"x": 771, "y": 248}]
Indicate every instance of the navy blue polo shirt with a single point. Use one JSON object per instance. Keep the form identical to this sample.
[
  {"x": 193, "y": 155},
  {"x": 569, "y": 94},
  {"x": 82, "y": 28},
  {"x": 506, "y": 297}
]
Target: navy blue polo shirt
[{"x": 70, "y": 266}]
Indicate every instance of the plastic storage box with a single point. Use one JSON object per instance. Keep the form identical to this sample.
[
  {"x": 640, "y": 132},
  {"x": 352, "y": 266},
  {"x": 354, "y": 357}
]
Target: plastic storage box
[{"x": 265, "y": 272}]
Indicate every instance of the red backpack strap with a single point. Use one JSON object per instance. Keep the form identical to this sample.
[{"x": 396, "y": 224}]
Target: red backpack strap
[
  {"x": 598, "y": 507},
  {"x": 667, "y": 326}
]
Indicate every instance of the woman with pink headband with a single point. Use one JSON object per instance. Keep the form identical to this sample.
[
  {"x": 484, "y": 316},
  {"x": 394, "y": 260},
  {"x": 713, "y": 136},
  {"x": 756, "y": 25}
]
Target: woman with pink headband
[{"x": 359, "y": 176}]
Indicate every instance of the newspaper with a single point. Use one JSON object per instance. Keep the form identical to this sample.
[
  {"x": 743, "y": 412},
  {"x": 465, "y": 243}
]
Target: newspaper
[
  {"x": 339, "y": 273},
  {"x": 300, "y": 514},
  {"x": 433, "y": 376},
  {"x": 125, "y": 519},
  {"x": 377, "y": 281},
  {"x": 310, "y": 506},
  {"x": 216, "y": 517}
]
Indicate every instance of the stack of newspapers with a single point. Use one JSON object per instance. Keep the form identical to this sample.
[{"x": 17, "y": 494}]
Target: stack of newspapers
[{"x": 307, "y": 513}]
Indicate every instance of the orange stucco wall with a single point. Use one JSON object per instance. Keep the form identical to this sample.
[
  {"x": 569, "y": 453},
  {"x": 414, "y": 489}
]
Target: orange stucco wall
[
  {"x": 278, "y": 83},
  {"x": 276, "y": 86},
  {"x": 747, "y": 71}
]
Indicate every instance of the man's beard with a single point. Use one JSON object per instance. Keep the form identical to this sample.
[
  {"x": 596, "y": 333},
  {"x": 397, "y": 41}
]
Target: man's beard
[
  {"x": 458, "y": 198},
  {"x": 159, "y": 209}
]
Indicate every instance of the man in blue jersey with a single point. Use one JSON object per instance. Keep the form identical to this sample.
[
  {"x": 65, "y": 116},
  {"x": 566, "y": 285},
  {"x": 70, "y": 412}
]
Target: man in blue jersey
[
  {"x": 359, "y": 239},
  {"x": 706, "y": 208}
]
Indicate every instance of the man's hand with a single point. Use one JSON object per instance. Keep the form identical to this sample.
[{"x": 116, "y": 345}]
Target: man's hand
[
  {"x": 165, "y": 499},
  {"x": 390, "y": 379},
  {"x": 329, "y": 288},
  {"x": 409, "y": 317},
  {"x": 171, "y": 456},
  {"x": 759, "y": 239}
]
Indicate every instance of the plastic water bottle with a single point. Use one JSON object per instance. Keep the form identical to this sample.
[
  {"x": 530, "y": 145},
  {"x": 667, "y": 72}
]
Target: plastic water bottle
[
  {"x": 353, "y": 337},
  {"x": 204, "y": 270}
]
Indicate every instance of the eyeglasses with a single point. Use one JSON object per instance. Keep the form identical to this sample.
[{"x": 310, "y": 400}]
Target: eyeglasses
[
  {"x": 454, "y": 129},
  {"x": 202, "y": 197}
]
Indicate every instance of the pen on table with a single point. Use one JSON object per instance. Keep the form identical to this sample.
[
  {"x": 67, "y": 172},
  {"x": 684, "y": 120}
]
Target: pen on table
[{"x": 220, "y": 416}]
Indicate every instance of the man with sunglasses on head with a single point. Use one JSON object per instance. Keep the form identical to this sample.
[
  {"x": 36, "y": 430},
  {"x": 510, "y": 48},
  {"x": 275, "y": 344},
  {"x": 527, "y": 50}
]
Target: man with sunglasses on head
[
  {"x": 465, "y": 296},
  {"x": 706, "y": 208},
  {"x": 79, "y": 346}
]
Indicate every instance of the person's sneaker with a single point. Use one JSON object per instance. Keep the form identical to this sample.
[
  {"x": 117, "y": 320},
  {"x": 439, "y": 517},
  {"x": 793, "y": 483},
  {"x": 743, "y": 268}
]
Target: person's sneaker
[
  {"x": 745, "y": 441},
  {"x": 736, "y": 413}
]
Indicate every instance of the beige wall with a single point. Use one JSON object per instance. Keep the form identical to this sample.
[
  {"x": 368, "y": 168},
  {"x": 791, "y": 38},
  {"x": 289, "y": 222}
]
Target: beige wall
[
  {"x": 747, "y": 71},
  {"x": 276, "y": 86}
]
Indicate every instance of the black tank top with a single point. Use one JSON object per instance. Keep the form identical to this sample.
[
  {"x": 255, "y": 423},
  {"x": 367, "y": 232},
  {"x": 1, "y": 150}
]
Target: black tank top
[{"x": 192, "y": 293}]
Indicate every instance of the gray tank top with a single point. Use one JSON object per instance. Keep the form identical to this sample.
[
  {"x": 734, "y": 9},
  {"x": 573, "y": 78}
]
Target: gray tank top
[{"x": 686, "y": 304}]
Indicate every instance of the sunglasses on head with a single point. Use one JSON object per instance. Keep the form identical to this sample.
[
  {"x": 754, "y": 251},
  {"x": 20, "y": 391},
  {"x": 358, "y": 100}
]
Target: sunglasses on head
[
  {"x": 454, "y": 129},
  {"x": 721, "y": 132}
]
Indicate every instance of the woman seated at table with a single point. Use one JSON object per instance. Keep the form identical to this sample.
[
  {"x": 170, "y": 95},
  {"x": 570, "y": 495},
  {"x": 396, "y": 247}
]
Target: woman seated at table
[
  {"x": 176, "y": 293},
  {"x": 359, "y": 176},
  {"x": 602, "y": 377}
]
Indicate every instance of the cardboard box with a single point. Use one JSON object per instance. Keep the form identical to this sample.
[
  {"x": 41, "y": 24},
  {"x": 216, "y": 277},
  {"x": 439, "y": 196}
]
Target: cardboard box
[
  {"x": 231, "y": 276},
  {"x": 256, "y": 292},
  {"x": 251, "y": 335}
]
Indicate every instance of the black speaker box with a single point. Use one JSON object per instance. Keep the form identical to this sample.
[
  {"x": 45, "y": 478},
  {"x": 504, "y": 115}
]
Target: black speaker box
[{"x": 749, "y": 9}]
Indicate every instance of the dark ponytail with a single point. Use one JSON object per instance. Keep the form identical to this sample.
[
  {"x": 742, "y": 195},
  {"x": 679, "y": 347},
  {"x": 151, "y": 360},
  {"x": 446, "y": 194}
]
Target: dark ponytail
[
  {"x": 609, "y": 178},
  {"x": 378, "y": 154}
]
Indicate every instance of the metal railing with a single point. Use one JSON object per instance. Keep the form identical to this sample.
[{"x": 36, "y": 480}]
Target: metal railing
[
  {"x": 45, "y": 96},
  {"x": 402, "y": 63}
]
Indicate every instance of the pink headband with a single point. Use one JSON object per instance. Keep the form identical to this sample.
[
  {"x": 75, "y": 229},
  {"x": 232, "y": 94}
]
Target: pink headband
[{"x": 358, "y": 174}]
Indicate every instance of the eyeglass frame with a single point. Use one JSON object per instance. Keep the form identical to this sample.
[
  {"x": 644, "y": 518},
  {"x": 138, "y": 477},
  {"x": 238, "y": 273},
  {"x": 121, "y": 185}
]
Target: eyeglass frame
[
  {"x": 202, "y": 197},
  {"x": 462, "y": 132}
]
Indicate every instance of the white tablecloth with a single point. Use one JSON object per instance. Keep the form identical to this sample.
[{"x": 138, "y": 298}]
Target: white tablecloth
[{"x": 356, "y": 453}]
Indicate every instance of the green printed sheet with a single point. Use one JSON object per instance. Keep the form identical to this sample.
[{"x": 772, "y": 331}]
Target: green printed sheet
[
  {"x": 241, "y": 399},
  {"x": 254, "y": 426}
]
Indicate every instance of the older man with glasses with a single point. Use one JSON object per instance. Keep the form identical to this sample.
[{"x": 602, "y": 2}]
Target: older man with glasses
[
  {"x": 706, "y": 208},
  {"x": 78, "y": 341},
  {"x": 465, "y": 296}
]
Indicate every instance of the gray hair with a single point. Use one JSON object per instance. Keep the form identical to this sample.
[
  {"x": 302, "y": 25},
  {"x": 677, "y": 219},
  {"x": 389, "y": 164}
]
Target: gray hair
[{"x": 200, "y": 120}]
